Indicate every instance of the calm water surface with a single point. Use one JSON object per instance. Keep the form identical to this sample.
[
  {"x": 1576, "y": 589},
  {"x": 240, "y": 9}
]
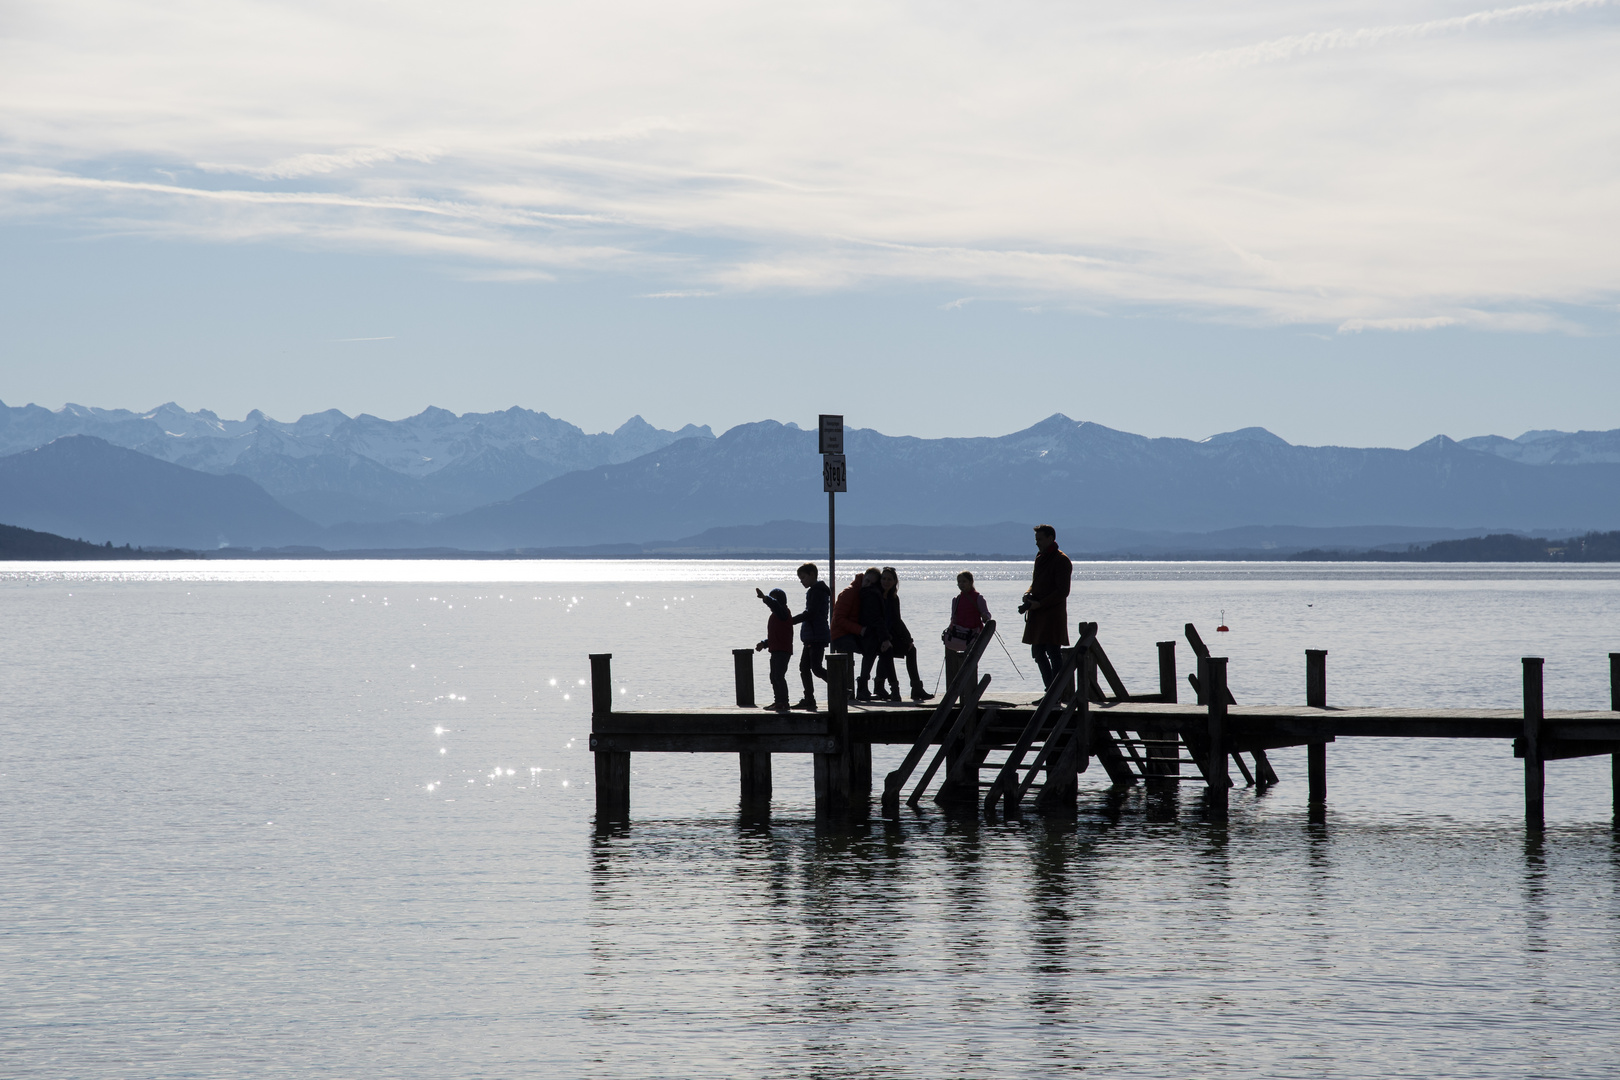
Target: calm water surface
[{"x": 316, "y": 819}]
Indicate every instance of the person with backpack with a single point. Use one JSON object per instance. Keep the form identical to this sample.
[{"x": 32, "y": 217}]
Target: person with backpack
[
  {"x": 969, "y": 614},
  {"x": 814, "y": 633}
]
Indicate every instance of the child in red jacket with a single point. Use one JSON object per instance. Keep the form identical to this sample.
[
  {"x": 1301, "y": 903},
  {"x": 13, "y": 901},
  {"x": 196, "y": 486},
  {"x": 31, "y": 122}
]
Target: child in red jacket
[{"x": 778, "y": 639}]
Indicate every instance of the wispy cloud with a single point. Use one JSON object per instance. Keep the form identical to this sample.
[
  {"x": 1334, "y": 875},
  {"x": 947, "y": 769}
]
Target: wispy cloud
[
  {"x": 387, "y": 337},
  {"x": 1242, "y": 162},
  {"x": 1297, "y": 45}
]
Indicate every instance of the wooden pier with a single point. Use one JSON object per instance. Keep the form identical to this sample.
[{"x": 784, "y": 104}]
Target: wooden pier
[{"x": 1003, "y": 757}]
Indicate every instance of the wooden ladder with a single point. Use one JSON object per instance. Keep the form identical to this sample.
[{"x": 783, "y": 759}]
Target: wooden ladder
[{"x": 964, "y": 724}]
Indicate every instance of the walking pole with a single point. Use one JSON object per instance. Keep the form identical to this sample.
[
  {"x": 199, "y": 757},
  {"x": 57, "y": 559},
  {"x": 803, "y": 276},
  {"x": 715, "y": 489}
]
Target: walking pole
[
  {"x": 1009, "y": 654},
  {"x": 940, "y": 675}
]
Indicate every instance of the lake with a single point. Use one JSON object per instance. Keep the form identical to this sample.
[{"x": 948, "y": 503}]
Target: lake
[{"x": 321, "y": 818}]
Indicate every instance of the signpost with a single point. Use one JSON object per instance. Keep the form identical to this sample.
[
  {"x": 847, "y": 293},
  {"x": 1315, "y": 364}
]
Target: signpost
[{"x": 833, "y": 479}]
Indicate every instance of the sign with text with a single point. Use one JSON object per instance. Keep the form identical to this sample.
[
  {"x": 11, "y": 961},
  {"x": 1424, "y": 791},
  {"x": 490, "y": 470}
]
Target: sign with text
[
  {"x": 832, "y": 435},
  {"x": 833, "y": 477}
]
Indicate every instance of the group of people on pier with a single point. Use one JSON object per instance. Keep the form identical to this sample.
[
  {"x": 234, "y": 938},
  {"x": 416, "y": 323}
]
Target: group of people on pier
[{"x": 865, "y": 619}]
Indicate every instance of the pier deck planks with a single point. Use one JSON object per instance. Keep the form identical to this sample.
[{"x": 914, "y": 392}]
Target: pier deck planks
[{"x": 725, "y": 730}]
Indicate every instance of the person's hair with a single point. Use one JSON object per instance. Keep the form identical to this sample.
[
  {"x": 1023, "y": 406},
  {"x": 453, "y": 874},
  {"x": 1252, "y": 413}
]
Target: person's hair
[
  {"x": 812, "y": 568},
  {"x": 893, "y": 571},
  {"x": 964, "y": 574},
  {"x": 1046, "y": 530},
  {"x": 872, "y": 571}
]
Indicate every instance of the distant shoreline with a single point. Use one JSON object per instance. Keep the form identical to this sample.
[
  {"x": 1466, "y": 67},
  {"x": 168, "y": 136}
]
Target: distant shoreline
[{"x": 27, "y": 545}]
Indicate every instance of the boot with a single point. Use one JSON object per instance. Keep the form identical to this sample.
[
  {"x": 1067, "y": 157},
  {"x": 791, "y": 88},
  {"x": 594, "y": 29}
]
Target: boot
[
  {"x": 808, "y": 704},
  {"x": 919, "y": 694},
  {"x": 861, "y": 691}
]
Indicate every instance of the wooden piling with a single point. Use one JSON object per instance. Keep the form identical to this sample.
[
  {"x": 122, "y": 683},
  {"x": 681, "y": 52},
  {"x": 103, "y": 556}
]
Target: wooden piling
[
  {"x": 1535, "y": 780},
  {"x": 1614, "y": 706},
  {"x": 743, "y": 661},
  {"x": 1213, "y": 680},
  {"x": 1316, "y": 698},
  {"x": 844, "y": 776},
  {"x": 755, "y": 771},
  {"x": 612, "y": 766}
]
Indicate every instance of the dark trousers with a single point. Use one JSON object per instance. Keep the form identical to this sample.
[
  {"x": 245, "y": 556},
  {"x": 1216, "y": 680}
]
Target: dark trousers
[
  {"x": 1049, "y": 658},
  {"x": 810, "y": 666},
  {"x": 779, "y": 666},
  {"x": 886, "y": 673},
  {"x": 953, "y": 664}
]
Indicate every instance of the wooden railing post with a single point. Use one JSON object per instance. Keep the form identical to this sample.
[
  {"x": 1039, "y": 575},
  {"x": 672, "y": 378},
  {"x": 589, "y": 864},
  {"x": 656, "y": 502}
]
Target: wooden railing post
[
  {"x": 1167, "y": 671},
  {"x": 612, "y": 766},
  {"x": 1535, "y": 778},
  {"x": 743, "y": 661},
  {"x": 1213, "y": 680},
  {"x": 1316, "y": 698}
]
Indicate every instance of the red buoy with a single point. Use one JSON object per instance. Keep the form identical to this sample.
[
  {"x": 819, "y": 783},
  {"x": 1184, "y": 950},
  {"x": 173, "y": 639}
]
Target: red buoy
[{"x": 1222, "y": 629}]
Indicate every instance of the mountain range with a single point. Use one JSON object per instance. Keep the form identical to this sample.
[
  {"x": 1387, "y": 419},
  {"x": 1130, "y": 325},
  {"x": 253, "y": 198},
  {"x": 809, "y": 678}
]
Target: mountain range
[
  {"x": 524, "y": 480},
  {"x": 330, "y": 468}
]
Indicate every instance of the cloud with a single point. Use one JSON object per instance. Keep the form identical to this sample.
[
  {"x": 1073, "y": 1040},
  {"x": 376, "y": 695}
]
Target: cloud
[
  {"x": 1289, "y": 48},
  {"x": 1256, "y": 162}
]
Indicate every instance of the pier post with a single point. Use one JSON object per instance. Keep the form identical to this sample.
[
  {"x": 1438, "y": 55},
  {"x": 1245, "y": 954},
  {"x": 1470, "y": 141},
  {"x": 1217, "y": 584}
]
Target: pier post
[
  {"x": 1316, "y": 698},
  {"x": 1614, "y": 706},
  {"x": 1167, "y": 671},
  {"x": 755, "y": 770},
  {"x": 743, "y": 661},
  {"x": 1214, "y": 683},
  {"x": 1535, "y": 779},
  {"x": 843, "y": 777},
  {"x": 612, "y": 766}
]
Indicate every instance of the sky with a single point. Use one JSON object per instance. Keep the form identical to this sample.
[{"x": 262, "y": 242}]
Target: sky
[{"x": 1362, "y": 224}]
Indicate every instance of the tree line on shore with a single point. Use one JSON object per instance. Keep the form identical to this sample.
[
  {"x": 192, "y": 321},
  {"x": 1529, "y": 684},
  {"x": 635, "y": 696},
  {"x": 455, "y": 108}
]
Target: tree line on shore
[{"x": 1497, "y": 547}]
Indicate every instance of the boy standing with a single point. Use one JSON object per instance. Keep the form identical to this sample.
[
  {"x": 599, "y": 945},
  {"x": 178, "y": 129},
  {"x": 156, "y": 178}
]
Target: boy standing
[
  {"x": 778, "y": 639},
  {"x": 814, "y": 633}
]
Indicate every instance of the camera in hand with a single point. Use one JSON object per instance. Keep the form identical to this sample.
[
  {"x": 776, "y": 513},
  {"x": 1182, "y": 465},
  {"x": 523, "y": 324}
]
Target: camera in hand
[{"x": 1024, "y": 607}]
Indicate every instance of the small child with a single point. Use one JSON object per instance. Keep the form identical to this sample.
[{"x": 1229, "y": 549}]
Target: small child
[{"x": 778, "y": 639}]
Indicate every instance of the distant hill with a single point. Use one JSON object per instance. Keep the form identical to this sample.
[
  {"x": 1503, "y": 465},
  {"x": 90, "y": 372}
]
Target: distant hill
[
  {"x": 27, "y": 545},
  {"x": 83, "y": 486},
  {"x": 1074, "y": 474},
  {"x": 331, "y": 467}
]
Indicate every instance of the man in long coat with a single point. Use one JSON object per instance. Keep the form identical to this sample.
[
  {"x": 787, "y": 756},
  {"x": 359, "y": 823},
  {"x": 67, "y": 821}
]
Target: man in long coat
[{"x": 1046, "y": 628}]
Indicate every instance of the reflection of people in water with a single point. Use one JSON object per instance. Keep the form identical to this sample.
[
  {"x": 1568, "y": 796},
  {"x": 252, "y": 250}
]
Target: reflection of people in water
[{"x": 1046, "y": 619}]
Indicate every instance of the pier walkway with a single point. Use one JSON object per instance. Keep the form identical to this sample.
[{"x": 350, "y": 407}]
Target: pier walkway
[{"x": 1011, "y": 754}]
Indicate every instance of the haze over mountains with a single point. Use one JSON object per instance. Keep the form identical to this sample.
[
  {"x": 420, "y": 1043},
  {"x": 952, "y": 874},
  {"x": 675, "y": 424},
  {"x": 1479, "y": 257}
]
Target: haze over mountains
[{"x": 524, "y": 480}]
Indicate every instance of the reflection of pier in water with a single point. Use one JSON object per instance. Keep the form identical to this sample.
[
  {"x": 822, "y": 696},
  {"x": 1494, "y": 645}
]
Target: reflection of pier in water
[{"x": 1009, "y": 757}]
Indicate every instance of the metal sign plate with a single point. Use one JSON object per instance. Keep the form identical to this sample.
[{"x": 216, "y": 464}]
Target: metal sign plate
[
  {"x": 833, "y": 476},
  {"x": 832, "y": 435}
]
